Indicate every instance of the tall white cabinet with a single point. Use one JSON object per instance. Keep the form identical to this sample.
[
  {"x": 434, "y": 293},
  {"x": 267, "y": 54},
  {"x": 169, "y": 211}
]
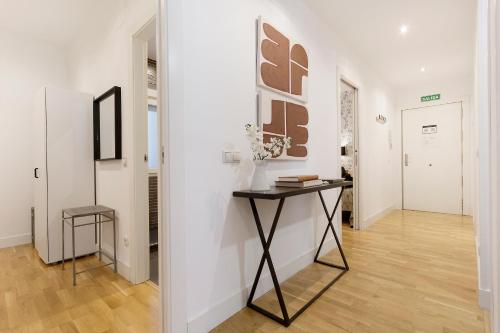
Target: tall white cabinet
[{"x": 64, "y": 170}]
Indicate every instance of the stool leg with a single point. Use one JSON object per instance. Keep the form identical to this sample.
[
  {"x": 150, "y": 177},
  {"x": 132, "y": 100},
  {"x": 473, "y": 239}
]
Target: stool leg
[
  {"x": 100, "y": 239},
  {"x": 62, "y": 255},
  {"x": 114, "y": 242},
  {"x": 73, "y": 243}
]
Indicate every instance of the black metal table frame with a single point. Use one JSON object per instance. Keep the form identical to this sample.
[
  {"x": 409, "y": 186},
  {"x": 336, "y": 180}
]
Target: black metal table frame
[
  {"x": 266, "y": 256},
  {"x": 97, "y": 222}
]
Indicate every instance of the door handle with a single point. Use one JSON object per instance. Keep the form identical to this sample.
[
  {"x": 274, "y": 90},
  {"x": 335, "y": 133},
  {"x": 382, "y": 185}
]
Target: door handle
[
  {"x": 36, "y": 173},
  {"x": 406, "y": 159}
]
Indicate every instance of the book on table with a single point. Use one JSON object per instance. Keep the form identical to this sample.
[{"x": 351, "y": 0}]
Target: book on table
[
  {"x": 298, "y": 179},
  {"x": 307, "y": 183}
]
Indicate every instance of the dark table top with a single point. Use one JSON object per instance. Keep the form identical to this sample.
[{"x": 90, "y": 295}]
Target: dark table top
[{"x": 283, "y": 192}]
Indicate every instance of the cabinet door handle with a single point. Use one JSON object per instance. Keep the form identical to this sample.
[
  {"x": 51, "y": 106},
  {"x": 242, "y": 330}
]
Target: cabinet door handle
[
  {"x": 406, "y": 159},
  {"x": 36, "y": 172}
]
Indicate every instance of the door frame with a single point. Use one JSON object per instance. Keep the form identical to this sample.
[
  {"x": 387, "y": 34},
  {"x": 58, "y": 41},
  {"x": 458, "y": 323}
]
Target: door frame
[
  {"x": 461, "y": 102},
  {"x": 356, "y": 163},
  {"x": 140, "y": 231}
]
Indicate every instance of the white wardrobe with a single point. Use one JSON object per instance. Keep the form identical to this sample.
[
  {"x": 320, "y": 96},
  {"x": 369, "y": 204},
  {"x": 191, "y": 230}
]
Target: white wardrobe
[{"x": 63, "y": 171}]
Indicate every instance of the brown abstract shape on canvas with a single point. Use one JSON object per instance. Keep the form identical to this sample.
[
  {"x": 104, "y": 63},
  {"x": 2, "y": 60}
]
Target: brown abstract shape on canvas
[
  {"x": 299, "y": 55},
  {"x": 297, "y": 118},
  {"x": 299, "y": 67},
  {"x": 277, "y": 124},
  {"x": 276, "y": 50}
]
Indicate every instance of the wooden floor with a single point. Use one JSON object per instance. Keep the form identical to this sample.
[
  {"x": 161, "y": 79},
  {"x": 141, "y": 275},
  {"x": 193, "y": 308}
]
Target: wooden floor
[
  {"x": 410, "y": 272},
  {"x": 39, "y": 298}
]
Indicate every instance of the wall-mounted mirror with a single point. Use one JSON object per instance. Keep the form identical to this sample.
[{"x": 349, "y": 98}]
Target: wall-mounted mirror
[{"x": 108, "y": 125}]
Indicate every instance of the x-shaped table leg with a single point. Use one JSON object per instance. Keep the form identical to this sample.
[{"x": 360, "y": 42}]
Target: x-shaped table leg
[
  {"x": 266, "y": 244},
  {"x": 266, "y": 257},
  {"x": 330, "y": 226}
]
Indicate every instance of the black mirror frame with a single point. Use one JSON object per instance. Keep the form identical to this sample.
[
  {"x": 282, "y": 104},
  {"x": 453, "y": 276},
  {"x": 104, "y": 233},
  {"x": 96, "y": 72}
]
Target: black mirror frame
[{"x": 117, "y": 92}]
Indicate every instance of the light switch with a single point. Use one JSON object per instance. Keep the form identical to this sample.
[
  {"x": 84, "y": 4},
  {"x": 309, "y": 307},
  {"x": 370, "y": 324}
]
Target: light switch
[{"x": 230, "y": 156}]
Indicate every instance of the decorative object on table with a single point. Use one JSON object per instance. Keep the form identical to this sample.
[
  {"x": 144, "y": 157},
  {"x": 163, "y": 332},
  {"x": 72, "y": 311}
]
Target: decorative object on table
[
  {"x": 334, "y": 180},
  {"x": 282, "y": 72},
  {"x": 263, "y": 151},
  {"x": 301, "y": 178},
  {"x": 307, "y": 183},
  {"x": 301, "y": 181}
]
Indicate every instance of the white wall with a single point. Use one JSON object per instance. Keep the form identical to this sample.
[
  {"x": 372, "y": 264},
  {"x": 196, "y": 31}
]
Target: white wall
[
  {"x": 218, "y": 98},
  {"x": 25, "y": 65},
  {"x": 459, "y": 89},
  {"x": 100, "y": 59}
]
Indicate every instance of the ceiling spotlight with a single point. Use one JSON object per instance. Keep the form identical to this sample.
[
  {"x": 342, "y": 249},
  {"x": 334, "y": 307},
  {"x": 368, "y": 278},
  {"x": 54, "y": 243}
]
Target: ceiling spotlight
[
  {"x": 422, "y": 69},
  {"x": 403, "y": 29}
]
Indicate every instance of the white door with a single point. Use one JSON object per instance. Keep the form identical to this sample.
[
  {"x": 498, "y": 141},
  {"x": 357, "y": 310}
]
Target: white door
[{"x": 432, "y": 159}]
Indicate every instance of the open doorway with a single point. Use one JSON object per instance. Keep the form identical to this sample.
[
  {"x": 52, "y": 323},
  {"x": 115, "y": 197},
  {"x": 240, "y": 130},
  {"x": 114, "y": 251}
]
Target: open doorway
[
  {"x": 349, "y": 152},
  {"x": 153, "y": 159},
  {"x": 147, "y": 156}
]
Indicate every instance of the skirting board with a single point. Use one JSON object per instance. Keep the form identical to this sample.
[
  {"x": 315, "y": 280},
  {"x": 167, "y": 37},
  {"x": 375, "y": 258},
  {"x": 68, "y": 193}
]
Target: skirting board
[
  {"x": 222, "y": 311},
  {"x": 485, "y": 299},
  {"x": 377, "y": 216},
  {"x": 123, "y": 268},
  {"x": 15, "y": 240}
]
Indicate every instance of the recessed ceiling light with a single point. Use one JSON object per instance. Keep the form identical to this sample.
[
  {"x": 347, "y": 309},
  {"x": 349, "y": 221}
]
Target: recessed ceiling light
[
  {"x": 403, "y": 29},
  {"x": 422, "y": 69}
]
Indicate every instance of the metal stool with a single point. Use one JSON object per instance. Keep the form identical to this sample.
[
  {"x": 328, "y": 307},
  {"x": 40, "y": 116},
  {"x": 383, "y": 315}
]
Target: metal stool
[{"x": 103, "y": 215}]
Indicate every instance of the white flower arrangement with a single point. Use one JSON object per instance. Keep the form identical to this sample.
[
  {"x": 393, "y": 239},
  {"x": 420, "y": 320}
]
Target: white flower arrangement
[{"x": 261, "y": 150}]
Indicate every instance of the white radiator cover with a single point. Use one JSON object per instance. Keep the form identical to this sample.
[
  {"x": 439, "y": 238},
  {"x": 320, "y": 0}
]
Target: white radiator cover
[{"x": 65, "y": 169}]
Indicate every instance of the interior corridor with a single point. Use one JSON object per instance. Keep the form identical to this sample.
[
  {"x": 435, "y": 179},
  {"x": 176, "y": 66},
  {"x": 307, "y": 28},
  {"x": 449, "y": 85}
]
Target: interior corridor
[{"x": 409, "y": 272}]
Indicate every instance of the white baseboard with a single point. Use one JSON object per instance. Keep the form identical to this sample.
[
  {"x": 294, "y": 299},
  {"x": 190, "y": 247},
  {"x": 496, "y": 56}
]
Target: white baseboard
[
  {"x": 485, "y": 299},
  {"x": 123, "y": 268},
  {"x": 377, "y": 216},
  {"x": 15, "y": 240},
  {"x": 220, "y": 312}
]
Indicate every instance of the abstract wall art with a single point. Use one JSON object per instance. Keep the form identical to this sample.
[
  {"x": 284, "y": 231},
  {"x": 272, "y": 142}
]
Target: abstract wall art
[{"x": 282, "y": 77}]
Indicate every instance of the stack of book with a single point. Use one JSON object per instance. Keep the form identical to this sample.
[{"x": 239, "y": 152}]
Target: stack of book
[{"x": 299, "y": 181}]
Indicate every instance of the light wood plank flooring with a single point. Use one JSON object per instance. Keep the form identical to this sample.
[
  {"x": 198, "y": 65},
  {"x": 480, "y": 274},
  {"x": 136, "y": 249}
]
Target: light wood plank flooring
[
  {"x": 410, "y": 272},
  {"x": 39, "y": 298}
]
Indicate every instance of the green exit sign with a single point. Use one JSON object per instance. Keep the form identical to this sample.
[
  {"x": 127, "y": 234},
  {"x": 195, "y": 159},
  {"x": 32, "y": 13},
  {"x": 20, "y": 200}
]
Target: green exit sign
[{"x": 430, "y": 98}]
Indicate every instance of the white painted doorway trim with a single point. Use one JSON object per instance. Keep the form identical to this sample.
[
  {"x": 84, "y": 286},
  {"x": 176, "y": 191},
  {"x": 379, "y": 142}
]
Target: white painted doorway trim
[
  {"x": 140, "y": 235},
  {"x": 173, "y": 306},
  {"x": 461, "y": 147},
  {"x": 341, "y": 77}
]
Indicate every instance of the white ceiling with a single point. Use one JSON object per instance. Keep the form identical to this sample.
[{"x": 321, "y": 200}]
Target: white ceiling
[
  {"x": 440, "y": 36},
  {"x": 55, "y": 21}
]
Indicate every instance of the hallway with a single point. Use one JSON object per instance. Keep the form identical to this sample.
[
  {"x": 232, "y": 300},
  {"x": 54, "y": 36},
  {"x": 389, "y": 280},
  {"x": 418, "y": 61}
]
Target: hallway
[{"x": 410, "y": 272}]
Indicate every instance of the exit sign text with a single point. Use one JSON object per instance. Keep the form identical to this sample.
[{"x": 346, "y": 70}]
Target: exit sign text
[{"x": 430, "y": 98}]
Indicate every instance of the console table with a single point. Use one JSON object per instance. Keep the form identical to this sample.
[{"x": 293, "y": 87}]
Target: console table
[{"x": 281, "y": 193}]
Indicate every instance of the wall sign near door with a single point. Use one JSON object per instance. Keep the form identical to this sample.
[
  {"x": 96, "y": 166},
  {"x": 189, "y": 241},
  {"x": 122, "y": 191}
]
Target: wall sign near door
[
  {"x": 430, "y": 98},
  {"x": 430, "y": 129}
]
